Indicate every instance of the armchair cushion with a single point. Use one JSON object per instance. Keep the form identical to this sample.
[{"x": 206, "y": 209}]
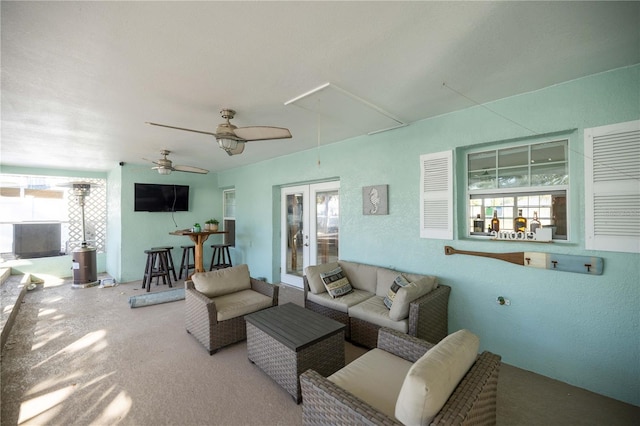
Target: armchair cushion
[
  {"x": 222, "y": 281},
  {"x": 433, "y": 378},
  {"x": 407, "y": 294},
  {"x": 374, "y": 311},
  {"x": 376, "y": 378},
  {"x": 240, "y": 303},
  {"x": 342, "y": 303}
]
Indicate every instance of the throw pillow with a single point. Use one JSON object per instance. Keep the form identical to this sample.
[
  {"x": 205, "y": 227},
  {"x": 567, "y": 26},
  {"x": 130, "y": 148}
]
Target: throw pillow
[
  {"x": 432, "y": 379},
  {"x": 399, "y": 282},
  {"x": 407, "y": 294},
  {"x": 336, "y": 282}
]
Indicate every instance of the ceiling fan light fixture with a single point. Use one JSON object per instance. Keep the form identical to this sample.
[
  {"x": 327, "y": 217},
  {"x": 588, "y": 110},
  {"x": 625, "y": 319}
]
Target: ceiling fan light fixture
[{"x": 164, "y": 171}]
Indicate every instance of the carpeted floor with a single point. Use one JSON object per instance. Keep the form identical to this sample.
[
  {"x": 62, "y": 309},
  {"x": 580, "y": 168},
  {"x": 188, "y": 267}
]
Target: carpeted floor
[{"x": 83, "y": 356}]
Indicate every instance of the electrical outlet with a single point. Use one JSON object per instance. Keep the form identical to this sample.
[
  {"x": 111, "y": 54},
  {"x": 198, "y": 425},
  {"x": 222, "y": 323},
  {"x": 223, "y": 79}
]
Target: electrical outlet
[{"x": 503, "y": 301}]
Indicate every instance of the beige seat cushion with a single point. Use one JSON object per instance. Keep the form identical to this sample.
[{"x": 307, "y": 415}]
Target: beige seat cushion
[
  {"x": 432, "y": 379},
  {"x": 240, "y": 303},
  {"x": 376, "y": 378},
  {"x": 374, "y": 311},
  {"x": 341, "y": 303},
  {"x": 222, "y": 281},
  {"x": 316, "y": 285},
  {"x": 407, "y": 294}
]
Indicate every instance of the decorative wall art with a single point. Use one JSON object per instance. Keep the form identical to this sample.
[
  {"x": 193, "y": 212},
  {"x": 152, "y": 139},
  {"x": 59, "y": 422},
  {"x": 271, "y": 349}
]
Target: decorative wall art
[{"x": 375, "y": 200}]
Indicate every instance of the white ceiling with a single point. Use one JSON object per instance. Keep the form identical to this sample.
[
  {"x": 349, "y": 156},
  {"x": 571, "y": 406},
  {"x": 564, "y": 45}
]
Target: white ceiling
[{"x": 80, "y": 79}]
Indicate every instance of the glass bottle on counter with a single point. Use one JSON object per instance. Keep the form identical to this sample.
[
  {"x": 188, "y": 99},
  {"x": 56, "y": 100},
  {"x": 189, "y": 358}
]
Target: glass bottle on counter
[
  {"x": 535, "y": 223},
  {"x": 495, "y": 222},
  {"x": 478, "y": 224},
  {"x": 520, "y": 222}
]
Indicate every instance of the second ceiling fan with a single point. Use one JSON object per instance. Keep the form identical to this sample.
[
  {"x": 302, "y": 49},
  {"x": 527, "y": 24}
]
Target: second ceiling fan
[{"x": 232, "y": 138}]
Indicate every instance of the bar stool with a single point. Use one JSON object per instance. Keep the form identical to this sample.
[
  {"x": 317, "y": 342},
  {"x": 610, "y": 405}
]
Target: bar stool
[
  {"x": 170, "y": 265},
  {"x": 159, "y": 257},
  {"x": 185, "y": 264},
  {"x": 221, "y": 256}
]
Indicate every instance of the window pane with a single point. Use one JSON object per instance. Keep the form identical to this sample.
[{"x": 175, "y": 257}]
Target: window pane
[
  {"x": 549, "y": 152},
  {"x": 513, "y": 157},
  {"x": 513, "y": 177},
  {"x": 549, "y": 174},
  {"x": 482, "y": 161},
  {"x": 482, "y": 179}
]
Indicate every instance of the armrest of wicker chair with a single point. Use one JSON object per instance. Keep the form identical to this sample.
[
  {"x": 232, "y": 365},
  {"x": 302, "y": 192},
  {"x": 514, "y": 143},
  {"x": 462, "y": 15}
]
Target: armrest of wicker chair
[
  {"x": 200, "y": 307},
  {"x": 402, "y": 345},
  {"x": 271, "y": 290},
  {"x": 429, "y": 315},
  {"x": 323, "y": 402}
]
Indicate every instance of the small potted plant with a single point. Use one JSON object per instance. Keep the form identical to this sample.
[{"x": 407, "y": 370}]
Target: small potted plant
[
  {"x": 212, "y": 225},
  {"x": 196, "y": 227}
]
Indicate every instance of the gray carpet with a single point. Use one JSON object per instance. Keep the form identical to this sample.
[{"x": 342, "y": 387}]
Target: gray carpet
[{"x": 83, "y": 356}]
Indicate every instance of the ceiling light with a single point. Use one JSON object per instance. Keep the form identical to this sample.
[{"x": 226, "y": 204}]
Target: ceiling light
[
  {"x": 231, "y": 146},
  {"x": 164, "y": 171}
]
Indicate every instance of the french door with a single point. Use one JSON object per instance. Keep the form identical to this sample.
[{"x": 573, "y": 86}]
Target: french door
[{"x": 310, "y": 228}]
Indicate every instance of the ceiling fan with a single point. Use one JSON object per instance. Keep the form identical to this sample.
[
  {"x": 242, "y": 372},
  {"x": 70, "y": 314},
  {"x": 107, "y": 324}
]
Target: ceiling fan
[
  {"x": 232, "y": 138},
  {"x": 165, "y": 166}
]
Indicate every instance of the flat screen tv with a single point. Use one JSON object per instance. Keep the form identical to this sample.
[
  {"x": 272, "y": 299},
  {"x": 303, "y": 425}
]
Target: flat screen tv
[{"x": 149, "y": 197}]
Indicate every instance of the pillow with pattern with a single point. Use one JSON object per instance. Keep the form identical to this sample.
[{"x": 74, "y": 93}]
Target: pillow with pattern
[
  {"x": 336, "y": 282},
  {"x": 398, "y": 283}
]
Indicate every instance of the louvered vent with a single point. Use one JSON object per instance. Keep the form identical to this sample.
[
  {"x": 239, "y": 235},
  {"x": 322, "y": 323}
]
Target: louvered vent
[
  {"x": 436, "y": 195},
  {"x": 612, "y": 187}
]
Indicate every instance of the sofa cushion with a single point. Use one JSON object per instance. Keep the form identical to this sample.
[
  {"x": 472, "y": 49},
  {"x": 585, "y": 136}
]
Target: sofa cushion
[
  {"x": 336, "y": 282},
  {"x": 399, "y": 281},
  {"x": 432, "y": 379},
  {"x": 374, "y": 311},
  {"x": 240, "y": 303},
  {"x": 376, "y": 378},
  {"x": 361, "y": 276},
  {"x": 316, "y": 286},
  {"x": 341, "y": 303},
  {"x": 407, "y": 294},
  {"x": 222, "y": 281}
]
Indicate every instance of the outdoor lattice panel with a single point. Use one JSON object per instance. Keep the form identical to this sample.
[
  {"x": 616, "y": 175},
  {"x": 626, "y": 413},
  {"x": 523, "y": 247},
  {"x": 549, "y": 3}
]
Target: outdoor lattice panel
[{"x": 95, "y": 216}]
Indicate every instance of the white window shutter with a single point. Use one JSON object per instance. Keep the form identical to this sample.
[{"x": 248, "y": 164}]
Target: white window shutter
[
  {"x": 612, "y": 187},
  {"x": 436, "y": 195}
]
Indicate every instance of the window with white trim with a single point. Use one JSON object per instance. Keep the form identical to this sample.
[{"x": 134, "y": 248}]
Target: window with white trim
[
  {"x": 612, "y": 187},
  {"x": 519, "y": 181}
]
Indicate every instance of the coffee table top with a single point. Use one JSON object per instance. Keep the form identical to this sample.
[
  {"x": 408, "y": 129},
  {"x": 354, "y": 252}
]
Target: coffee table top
[{"x": 293, "y": 325}]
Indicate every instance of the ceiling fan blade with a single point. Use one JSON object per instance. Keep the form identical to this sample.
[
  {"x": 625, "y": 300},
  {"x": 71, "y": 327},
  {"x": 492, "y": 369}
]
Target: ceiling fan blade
[
  {"x": 261, "y": 133},
  {"x": 190, "y": 169},
  {"x": 181, "y": 128}
]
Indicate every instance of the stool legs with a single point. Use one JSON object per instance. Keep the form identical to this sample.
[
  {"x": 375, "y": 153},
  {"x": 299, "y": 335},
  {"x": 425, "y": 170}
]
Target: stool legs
[
  {"x": 157, "y": 267},
  {"x": 185, "y": 263},
  {"x": 221, "y": 257}
]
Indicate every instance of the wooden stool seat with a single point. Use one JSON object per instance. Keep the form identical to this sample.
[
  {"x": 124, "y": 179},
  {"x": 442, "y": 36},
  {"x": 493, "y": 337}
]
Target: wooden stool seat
[
  {"x": 185, "y": 263},
  {"x": 156, "y": 266},
  {"x": 221, "y": 257}
]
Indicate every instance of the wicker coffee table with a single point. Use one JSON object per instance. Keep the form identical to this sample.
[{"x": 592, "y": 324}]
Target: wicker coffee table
[{"x": 285, "y": 341}]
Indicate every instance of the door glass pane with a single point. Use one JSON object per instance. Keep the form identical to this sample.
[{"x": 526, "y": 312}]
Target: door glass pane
[
  {"x": 295, "y": 263},
  {"x": 328, "y": 226}
]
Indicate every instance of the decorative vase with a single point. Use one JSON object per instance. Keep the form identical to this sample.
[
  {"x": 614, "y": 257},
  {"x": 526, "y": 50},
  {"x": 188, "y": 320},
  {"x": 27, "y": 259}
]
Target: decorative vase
[
  {"x": 213, "y": 227},
  {"x": 207, "y": 226}
]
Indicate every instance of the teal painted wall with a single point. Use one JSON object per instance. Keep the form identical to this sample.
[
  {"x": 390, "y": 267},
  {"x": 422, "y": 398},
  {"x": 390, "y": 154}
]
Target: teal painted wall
[
  {"x": 142, "y": 230},
  {"x": 580, "y": 329}
]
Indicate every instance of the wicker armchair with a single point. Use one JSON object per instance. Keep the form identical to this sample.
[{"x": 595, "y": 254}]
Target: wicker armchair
[
  {"x": 473, "y": 401},
  {"x": 202, "y": 317}
]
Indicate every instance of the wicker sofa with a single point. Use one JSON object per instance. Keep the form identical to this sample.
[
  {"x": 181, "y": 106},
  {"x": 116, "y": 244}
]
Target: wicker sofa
[
  {"x": 407, "y": 381},
  {"x": 363, "y": 311},
  {"x": 217, "y": 301}
]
